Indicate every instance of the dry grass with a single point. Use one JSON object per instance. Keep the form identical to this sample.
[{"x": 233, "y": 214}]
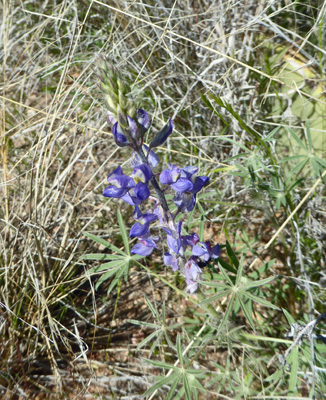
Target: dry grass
[{"x": 60, "y": 339}]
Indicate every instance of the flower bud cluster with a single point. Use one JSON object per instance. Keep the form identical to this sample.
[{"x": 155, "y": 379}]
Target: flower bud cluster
[{"x": 185, "y": 252}]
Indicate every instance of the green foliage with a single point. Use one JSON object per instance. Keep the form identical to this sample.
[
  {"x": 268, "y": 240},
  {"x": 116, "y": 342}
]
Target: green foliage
[{"x": 118, "y": 265}]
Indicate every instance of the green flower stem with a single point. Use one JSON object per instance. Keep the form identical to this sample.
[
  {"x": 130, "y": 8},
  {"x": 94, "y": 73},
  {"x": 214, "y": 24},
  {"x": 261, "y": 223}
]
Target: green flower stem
[{"x": 209, "y": 308}]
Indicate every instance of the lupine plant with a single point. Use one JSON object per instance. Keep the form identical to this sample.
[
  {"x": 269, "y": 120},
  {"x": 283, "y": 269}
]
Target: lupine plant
[{"x": 141, "y": 189}]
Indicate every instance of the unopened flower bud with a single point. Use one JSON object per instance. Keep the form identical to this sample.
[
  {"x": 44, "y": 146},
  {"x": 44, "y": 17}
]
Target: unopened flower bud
[
  {"x": 122, "y": 117},
  {"x": 111, "y": 105},
  {"x": 124, "y": 88},
  {"x": 122, "y": 101}
]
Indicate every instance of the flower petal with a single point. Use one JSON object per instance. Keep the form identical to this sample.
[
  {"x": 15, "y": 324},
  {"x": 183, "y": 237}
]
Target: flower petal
[
  {"x": 141, "y": 191},
  {"x": 142, "y": 250},
  {"x": 200, "y": 182},
  {"x": 216, "y": 251},
  {"x": 182, "y": 185},
  {"x": 162, "y": 135},
  {"x": 138, "y": 230},
  {"x": 142, "y": 173},
  {"x": 119, "y": 136},
  {"x": 113, "y": 191},
  {"x": 144, "y": 120}
]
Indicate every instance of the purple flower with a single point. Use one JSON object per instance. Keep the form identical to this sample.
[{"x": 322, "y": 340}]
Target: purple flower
[
  {"x": 192, "y": 273},
  {"x": 145, "y": 246},
  {"x": 171, "y": 261},
  {"x": 111, "y": 120},
  {"x": 142, "y": 173},
  {"x": 185, "y": 184},
  {"x": 143, "y": 120},
  {"x": 137, "y": 194},
  {"x": 162, "y": 135},
  {"x": 174, "y": 238},
  {"x": 141, "y": 227},
  {"x": 119, "y": 137},
  {"x": 151, "y": 157},
  {"x": 190, "y": 240},
  {"x": 170, "y": 175},
  {"x": 133, "y": 128},
  {"x": 204, "y": 252},
  {"x": 120, "y": 184}
]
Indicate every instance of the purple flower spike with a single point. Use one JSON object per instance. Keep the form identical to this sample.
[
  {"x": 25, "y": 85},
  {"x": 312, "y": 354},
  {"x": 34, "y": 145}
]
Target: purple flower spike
[
  {"x": 171, "y": 261},
  {"x": 142, "y": 173},
  {"x": 144, "y": 247},
  {"x": 119, "y": 137},
  {"x": 162, "y": 135},
  {"x": 144, "y": 120}
]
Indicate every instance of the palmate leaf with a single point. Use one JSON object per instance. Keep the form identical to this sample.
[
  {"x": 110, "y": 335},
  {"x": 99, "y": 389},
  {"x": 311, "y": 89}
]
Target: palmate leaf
[
  {"x": 119, "y": 264},
  {"x": 260, "y": 300},
  {"x": 104, "y": 243}
]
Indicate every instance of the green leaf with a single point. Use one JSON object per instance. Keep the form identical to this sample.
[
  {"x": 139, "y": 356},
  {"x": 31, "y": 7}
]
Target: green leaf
[
  {"x": 288, "y": 316},
  {"x": 104, "y": 243},
  {"x": 260, "y": 300},
  {"x": 270, "y": 135},
  {"x": 293, "y": 360},
  {"x": 258, "y": 283},
  {"x": 112, "y": 265},
  {"x": 247, "y": 312},
  {"x": 232, "y": 255},
  {"x": 171, "y": 393},
  {"x": 216, "y": 297},
  {"x": 187, "y": 388},
  {"x": 226, "y": 277},
  {"x": 100, "y": 256},
  {"x": 123, "y": 232},
  {"x": 309, "y": 137},
  {"x": 226, "y": 266},
  {"x": 162, "y": 382},
  {"x": 179, "y": 349},
  {"x": 296, "y": 138},
  {"x": 106, "y": 276}
]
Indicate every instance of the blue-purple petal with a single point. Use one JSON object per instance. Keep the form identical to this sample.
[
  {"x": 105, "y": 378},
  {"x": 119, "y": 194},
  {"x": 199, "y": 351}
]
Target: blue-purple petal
[
  {"x": 143, "y": 119},
  {"x": 138, "y": 230},
  {"x": 185, "y": 201},
  {"x": 118, "y": 135},
  {"x": 162, "y": 135},
  {"x": 216, "y": 251},
  {"x": 200, "y": 182},
  {"x": 113, "y": 191},
  {"x": 142, "y": 250},
  {"x": 133, "y": 128},
  {"x": 182, "y": 185},
  {"x": 142, "y": 173},
  {"x": 141, "y": 191}
]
